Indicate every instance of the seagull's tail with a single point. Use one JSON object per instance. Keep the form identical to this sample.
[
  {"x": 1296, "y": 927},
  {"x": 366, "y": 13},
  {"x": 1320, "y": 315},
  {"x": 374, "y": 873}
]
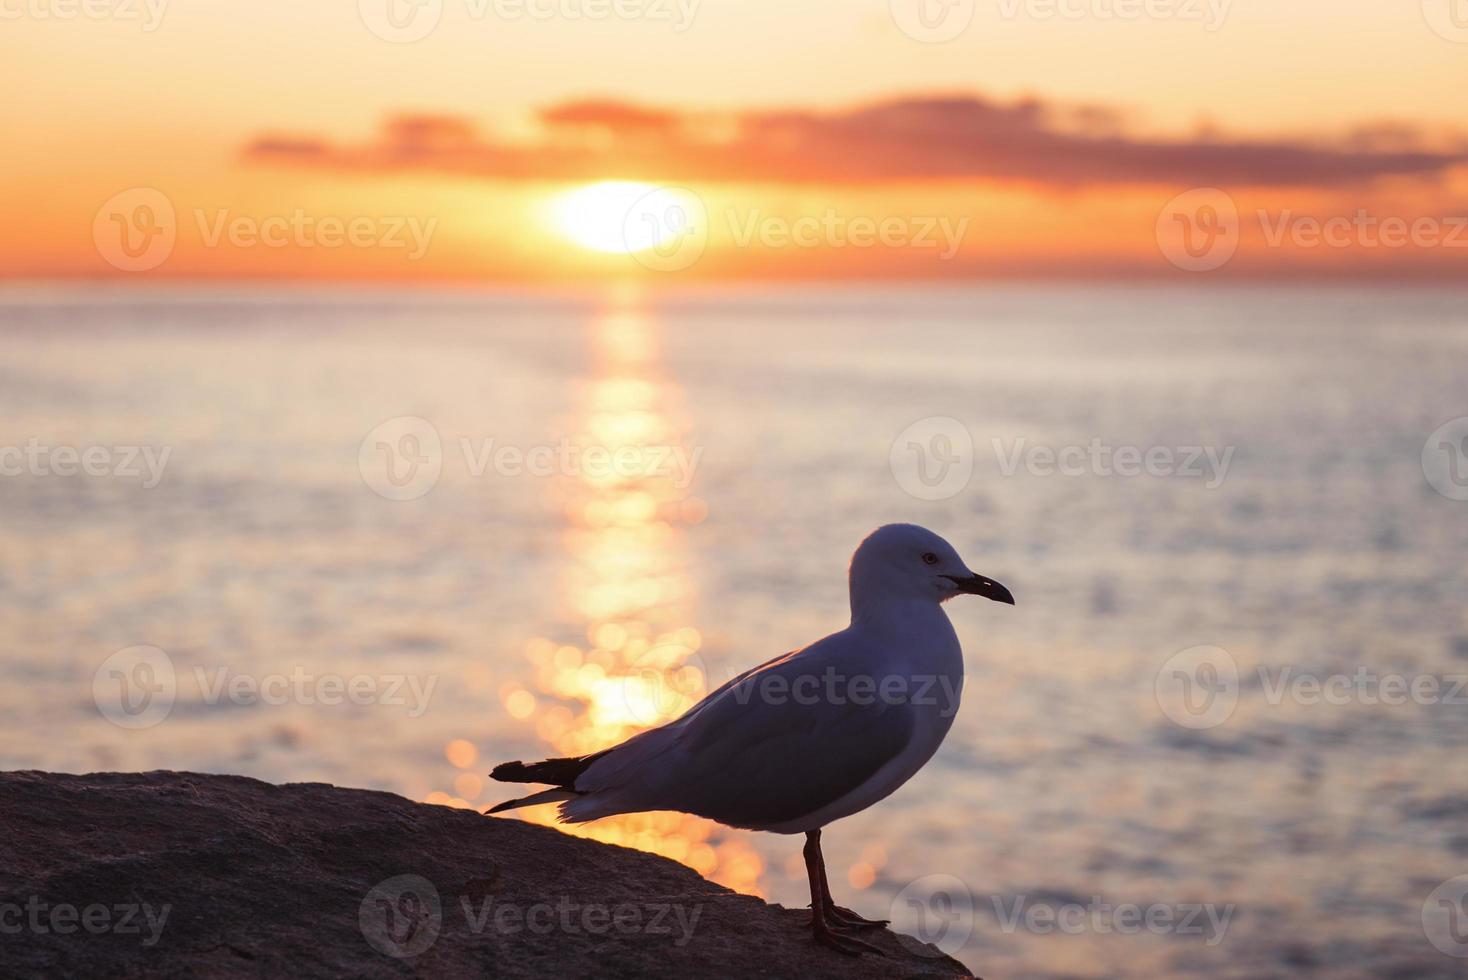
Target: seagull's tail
[
  {"x": 556, "y": 772},
  {"x": 560, "y": 773},
  {"x": 544, "y": 796}
]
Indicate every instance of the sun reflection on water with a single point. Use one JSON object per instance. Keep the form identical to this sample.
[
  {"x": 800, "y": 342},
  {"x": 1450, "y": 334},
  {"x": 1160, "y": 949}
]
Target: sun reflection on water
[{"x": 636, "y": 664}]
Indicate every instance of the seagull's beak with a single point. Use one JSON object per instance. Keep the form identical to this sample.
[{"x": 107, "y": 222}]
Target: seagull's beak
[{"x": 979, "y": 585}]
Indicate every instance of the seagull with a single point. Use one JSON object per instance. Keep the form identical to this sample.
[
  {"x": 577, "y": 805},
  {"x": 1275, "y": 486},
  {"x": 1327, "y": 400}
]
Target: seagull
[{"x": 808, "y": 737}]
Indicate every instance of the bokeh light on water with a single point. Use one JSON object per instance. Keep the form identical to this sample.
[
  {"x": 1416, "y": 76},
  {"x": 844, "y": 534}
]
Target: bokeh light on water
[{"x": 635, "y": 665}]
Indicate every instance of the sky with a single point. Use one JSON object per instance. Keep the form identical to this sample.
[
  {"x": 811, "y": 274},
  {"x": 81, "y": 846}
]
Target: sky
[{"x": 547, "y": 140}]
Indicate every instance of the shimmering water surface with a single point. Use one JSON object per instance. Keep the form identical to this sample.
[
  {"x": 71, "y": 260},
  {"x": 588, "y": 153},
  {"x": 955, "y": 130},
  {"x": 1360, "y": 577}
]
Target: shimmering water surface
[{"x": 554, "y": 607}]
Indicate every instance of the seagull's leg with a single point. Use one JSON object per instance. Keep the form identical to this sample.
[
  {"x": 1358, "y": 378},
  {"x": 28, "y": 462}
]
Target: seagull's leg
[
  {"x": 820, "y": 927},
  {"x": 835, "y": 914}
]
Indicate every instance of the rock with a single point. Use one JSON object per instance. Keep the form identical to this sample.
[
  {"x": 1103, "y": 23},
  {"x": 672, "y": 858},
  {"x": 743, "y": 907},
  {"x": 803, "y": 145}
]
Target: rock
[{"x": 167, "y": 874}]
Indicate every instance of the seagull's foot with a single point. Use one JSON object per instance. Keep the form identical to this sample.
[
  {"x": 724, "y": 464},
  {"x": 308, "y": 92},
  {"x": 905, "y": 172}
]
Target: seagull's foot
[
  {"x": 841, "y": 919},
  {"x": 845, "y": 917},
  {"x": 848, "y": 945}
]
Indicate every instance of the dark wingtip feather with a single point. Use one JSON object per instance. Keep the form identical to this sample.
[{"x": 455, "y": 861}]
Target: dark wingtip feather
[
  {"x": 556, "y": 772},
  {"x": 510, "y": 772}
]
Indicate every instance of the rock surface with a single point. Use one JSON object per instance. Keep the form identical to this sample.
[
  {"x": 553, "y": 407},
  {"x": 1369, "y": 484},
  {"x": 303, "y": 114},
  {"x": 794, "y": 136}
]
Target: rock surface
[{"x": 184, "y": 875}]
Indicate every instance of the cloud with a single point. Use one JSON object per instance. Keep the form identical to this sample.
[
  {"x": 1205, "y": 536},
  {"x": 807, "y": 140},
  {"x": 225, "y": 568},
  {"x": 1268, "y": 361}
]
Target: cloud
[{"x": 909, "y": 139}]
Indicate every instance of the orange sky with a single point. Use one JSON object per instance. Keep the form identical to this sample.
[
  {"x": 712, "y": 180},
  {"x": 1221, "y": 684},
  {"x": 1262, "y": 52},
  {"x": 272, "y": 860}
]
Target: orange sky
[{"x": 1014, "y": 137}]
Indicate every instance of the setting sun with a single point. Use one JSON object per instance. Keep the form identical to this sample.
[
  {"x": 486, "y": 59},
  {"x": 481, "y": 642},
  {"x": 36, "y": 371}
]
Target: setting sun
[{"x": 619, "y": 216}]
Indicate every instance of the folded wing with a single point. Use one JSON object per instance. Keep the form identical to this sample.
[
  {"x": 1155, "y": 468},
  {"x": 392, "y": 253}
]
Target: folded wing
[{"x": 771, "y": 746}]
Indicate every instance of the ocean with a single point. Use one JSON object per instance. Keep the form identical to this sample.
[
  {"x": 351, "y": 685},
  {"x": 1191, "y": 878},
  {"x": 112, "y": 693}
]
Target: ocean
[{"x": 388, "y": 539}]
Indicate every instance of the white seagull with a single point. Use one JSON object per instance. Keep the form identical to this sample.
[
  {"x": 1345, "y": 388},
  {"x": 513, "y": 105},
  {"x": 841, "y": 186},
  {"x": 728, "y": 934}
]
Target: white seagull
[{"x": 809, "y": 737}]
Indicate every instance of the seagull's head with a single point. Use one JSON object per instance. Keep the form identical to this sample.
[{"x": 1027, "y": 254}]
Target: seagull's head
[{"x": 904, "y": 561}]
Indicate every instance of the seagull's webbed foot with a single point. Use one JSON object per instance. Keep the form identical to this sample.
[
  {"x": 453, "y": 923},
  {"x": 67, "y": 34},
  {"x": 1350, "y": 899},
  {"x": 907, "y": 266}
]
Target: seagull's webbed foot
[
  {"x": 840, "y": 916},
  {"x": 842, "y": 919}
]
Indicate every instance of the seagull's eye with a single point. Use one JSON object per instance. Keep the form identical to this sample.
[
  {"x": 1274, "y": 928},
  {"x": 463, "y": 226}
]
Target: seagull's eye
[{"x": 929, "y": 558}]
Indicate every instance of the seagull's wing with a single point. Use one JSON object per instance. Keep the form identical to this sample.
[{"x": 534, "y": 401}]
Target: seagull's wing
[
  {"x": 770, "y": 762},
  {"x": 751, "y": 756}
]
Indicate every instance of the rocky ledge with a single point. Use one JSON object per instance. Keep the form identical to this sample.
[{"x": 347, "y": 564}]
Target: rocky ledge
[{"x": 168, "y": 874}]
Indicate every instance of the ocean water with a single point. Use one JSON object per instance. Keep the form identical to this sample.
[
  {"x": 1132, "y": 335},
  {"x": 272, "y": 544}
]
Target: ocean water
[{"x": 397, "y": 538}]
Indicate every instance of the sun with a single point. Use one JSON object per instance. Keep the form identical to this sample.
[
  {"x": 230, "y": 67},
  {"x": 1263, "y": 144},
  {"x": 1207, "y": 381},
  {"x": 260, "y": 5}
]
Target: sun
[{"x": 621, "y": 216}]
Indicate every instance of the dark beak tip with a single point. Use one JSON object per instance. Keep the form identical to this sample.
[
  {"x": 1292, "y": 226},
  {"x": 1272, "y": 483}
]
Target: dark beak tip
[{"x": 987, "y": 588}]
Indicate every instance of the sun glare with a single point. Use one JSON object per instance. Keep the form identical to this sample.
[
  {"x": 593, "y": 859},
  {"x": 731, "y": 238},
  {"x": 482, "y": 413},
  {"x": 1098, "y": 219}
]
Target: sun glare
[{"x": 620, "y": 216}]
